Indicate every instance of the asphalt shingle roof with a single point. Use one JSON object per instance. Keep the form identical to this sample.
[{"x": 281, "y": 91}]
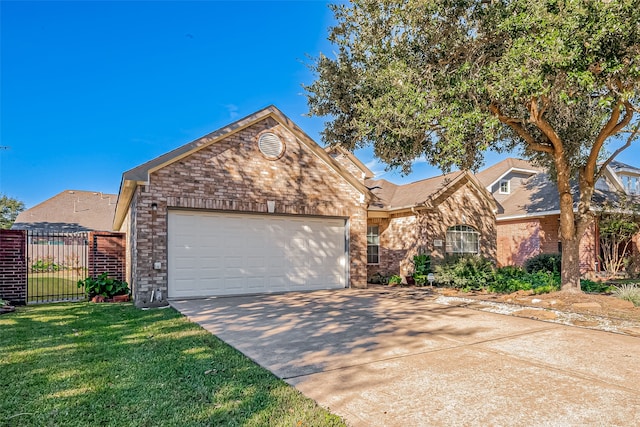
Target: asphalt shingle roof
[{"x": 70, "y": 211}]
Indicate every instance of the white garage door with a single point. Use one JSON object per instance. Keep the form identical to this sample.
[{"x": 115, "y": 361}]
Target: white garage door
[{"x": 230, "y": 254}]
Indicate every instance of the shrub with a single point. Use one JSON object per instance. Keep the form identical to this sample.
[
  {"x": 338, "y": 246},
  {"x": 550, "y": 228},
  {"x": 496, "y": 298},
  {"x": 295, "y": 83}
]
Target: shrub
[
  {"x": 465, "y": 272},
  {"x": 104, "y": 286},
  {"x": 44, "y": 264},
  {"x": 629, "y": 292},
  {"x": 421, "y": 267},
  {"x": 395, "y": 280},
  {"x": 594, "y": 287},
  {"x": 512, "y": 279},
  {"x": 544, "y": 262}
]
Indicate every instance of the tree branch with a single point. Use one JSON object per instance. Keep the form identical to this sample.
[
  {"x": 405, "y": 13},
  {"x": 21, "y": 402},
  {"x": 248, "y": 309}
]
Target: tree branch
[
  {"x": 516, "y": 125},
  {"x": 626, "y": 145},
  {"x": 544, "y": 126},
  {"x": 612, "y": 127}
]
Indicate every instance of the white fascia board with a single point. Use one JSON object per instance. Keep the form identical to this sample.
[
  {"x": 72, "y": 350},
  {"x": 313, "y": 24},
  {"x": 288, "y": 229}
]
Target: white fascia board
[
  {"x": 529, "y": 171},
  {"x": 529, "y": 215}
]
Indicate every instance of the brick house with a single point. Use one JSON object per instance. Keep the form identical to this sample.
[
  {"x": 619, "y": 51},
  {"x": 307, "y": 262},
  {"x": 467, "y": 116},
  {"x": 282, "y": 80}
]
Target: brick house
[
  {"x": 256, "y": 206},
  {"x": 528, "y": 214}
]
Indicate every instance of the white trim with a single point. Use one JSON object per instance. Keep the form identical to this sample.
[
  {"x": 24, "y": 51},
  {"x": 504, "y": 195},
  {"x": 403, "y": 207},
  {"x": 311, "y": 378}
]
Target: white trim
[
  {"x": 529, "y": 215},
  {"x": 512, "y": 169},
  {"x": 505, "y": 181}
]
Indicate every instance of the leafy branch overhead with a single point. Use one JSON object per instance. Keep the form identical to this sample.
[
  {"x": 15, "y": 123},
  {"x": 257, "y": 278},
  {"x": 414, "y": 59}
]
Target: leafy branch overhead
[{"x": 447, "y": 80}]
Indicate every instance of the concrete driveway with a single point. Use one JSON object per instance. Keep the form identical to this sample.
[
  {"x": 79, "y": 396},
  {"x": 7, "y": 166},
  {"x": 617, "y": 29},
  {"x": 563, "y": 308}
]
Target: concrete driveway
[{"x": 395, "y": 358}]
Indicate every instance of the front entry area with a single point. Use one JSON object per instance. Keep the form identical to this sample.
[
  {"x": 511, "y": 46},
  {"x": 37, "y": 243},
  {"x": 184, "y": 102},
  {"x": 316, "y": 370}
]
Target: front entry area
[{"x": 223, "y": 253}]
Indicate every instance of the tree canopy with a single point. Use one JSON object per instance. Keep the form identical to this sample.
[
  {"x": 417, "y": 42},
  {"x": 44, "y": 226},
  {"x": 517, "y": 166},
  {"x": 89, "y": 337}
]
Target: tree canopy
[
  {"x": 9, "y": 210},
  {"x": 449, "y": 79}
]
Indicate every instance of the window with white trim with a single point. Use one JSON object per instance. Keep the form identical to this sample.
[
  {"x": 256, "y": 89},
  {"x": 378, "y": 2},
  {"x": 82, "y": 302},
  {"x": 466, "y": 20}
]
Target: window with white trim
[
  {"x": 373, "y": 244},
  {"x": 462, "y": 239},
  {"x": 505, "y": 186}
]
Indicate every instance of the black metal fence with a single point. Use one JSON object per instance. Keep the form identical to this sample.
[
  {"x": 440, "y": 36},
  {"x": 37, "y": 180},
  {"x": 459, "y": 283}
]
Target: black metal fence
[{"x": 55, "y": 263}]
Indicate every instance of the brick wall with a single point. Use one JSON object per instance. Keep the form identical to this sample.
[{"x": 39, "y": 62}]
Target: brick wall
[
  {"x": 232, "y": 175},
  {"x": 549, "y": 234},
  {"x": 398, "y": 244},
  {"x": 518, "y": 241},
  {"x": 107, "y": 254},
  {"x": 13, "y": 267}
]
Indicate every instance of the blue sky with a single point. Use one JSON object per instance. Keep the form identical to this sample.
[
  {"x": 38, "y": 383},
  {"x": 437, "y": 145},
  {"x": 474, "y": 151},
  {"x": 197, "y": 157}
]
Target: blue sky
[{"x": 91, "y": 89}]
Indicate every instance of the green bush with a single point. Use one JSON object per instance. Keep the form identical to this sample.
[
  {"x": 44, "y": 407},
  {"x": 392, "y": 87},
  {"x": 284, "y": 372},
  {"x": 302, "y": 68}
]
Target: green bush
[
  {"x": 103, "y": 285},
  {"x": 544, "y": 262},
  {"x": 44, "y": 264},
  {"x": 512, "y": 279},
  {"x": 594, "y": 287},
  {"x": 465, "y": 272},
  {"x": 421, "y": 267},
  {"x": 395, "y": 280}
]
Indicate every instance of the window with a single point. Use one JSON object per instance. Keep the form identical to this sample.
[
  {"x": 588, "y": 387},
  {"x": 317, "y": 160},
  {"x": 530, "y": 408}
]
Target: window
[
  {"x": 373, "y": 244},
  {"x": 505, "y": 186},
  {"x": 462, "y": 239}
]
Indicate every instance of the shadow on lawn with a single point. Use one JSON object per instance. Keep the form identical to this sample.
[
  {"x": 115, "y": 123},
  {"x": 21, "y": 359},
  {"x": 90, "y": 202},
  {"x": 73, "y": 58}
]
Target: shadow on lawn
[{"x": 88, "y": 364}]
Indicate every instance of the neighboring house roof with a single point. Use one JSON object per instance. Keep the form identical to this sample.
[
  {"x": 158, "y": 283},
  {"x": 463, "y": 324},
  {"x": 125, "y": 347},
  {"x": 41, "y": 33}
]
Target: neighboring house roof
[
  {"x": 426, "y": 192},
  {"x": 491, "y": 175},
  {"x": 538, "y": 195},
  {"x": 140, "y": 174},
  {"x": 70, "y": 211}
]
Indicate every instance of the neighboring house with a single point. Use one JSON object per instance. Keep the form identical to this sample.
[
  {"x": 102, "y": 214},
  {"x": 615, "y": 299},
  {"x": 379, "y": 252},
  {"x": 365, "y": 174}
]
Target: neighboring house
[
  {"x": 70, "y": 211},
  {"x": 528, "y": 216},
  {"x": 257, "y": 207}
]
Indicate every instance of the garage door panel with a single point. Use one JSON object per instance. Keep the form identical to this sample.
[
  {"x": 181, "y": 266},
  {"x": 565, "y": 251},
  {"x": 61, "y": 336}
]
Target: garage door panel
[{"x": 225, "y": 254}]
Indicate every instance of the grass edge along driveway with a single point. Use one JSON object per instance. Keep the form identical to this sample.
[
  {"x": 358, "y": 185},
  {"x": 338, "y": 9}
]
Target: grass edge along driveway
[{"x": 112, "y": 365}]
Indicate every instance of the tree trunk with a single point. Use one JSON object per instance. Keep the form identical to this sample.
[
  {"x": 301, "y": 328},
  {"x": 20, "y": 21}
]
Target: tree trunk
[{"x": 570, "y": 274}]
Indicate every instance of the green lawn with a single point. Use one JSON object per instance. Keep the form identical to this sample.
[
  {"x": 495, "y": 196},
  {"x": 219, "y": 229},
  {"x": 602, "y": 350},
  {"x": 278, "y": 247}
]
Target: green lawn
[
  {"x": 64, "y": 283},
  {"x": 79, "y": 364}
]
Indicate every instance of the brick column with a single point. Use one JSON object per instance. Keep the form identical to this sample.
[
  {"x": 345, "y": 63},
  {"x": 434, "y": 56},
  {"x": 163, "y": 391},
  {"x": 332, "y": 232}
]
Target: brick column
[
  {"x": 107, "y": 254},
  {"x": 13, "y": 266}
]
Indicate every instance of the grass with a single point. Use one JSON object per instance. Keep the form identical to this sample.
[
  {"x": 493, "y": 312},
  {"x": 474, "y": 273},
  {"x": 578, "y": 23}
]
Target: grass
[
  {"x": 78, "y": 364},
  {"x": 42, "y": 286}
]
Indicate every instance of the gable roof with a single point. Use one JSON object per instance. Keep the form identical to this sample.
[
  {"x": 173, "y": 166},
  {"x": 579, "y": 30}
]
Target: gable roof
[
  {"x": 493, "y": 174},
  {"x": 538, "y": 196},
  {"x": 70, "y": 211},
  {"x": 140, "y": 174},
  {"x": 368, "y": 174},
  {"x": 426, "y": 192}
]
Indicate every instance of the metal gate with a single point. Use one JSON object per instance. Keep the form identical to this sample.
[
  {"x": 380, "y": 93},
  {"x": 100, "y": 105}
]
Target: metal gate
[{"x": 55, "y": 263}]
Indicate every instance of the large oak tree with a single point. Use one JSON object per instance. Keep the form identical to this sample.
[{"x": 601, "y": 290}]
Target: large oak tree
[{"x": 448, "y": 79}]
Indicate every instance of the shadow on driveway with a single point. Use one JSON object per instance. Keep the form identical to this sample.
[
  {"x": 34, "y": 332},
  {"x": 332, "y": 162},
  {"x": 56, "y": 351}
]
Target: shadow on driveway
[{"x": 397, "y": 358}]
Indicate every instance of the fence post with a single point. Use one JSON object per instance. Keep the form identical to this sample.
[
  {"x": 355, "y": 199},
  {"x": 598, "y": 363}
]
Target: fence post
[
  {"x": 13, "y": 266},
  {"x": 107, "y": 254}
]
